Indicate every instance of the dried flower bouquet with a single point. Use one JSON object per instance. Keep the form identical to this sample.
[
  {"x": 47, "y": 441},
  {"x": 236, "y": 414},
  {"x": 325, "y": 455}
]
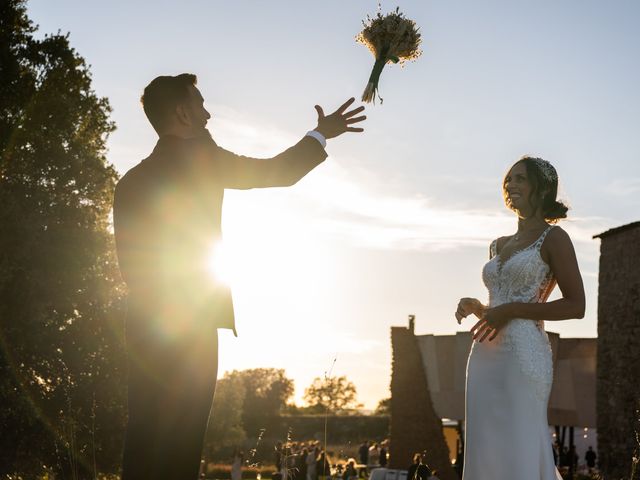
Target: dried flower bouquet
[{"x": 391, "y": 38}]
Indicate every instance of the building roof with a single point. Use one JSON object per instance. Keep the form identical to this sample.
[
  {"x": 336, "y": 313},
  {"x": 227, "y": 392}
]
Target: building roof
[
  {"x": 572, "y": 401},
  {"x": 614, "y": 231}
]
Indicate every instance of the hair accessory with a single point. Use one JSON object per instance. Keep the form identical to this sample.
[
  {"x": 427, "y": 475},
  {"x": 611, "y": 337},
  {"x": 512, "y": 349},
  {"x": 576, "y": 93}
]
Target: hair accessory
[{"x": 548, "y": 170}]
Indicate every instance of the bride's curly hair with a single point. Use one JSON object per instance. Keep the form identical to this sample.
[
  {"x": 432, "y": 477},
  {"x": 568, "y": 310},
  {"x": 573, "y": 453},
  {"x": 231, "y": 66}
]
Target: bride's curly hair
[{"x": 544, "y": 188}]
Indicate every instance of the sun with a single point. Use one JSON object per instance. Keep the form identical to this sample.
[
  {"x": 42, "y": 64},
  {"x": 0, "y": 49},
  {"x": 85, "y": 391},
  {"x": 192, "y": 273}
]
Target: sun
[
  {"x": 219, "y": 263},
  {"x": 270, "y": 257}
]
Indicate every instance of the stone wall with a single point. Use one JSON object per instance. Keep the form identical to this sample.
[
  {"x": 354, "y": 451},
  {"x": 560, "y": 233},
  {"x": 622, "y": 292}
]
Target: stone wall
[
  {"x": 618, "y": 370},
  {"x": 415, "y": 427}
]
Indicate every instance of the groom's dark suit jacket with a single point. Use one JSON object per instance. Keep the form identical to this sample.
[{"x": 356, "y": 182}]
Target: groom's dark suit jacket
[{"x": 167, "y": 213}]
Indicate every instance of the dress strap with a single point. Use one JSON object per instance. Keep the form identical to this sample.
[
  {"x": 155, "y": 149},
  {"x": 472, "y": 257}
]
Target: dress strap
[
  {"x": 493, "y": 249},
  {"x": 540, "y": 240}
]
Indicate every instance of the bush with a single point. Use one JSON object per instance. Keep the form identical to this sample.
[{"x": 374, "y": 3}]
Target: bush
[{"x": 222, "y": 471}]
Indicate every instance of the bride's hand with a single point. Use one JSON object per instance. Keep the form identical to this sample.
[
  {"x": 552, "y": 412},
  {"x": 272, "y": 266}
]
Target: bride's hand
[
  {"x": 467, "y": 306},
  {"x": 493, "y": 320}
]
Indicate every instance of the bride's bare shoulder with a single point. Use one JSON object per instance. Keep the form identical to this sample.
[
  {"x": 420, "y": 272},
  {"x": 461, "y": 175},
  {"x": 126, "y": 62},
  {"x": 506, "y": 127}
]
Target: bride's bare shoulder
[
  {"x": 501, "y": 241},
  {"x": 557, "y": 236},
  {"x": 557, "y": 240}
]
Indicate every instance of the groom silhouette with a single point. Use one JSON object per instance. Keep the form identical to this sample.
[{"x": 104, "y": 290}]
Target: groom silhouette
[{"x": 167, "y": 212}]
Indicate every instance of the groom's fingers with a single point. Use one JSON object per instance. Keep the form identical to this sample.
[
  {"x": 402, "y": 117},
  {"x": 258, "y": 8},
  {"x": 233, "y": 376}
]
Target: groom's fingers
[
  {"x": 353, "y": 112},
  {"x": 320, "y": 111},
  {"x": 352, "y": 129},
  {"x": 356, "y": 120},
  {"x": 345, "y": 105}
]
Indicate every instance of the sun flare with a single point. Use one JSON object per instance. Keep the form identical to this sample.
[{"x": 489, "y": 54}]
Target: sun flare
[
  {"x": 271, "y": 257},
  {"x": 219, "y": 263}
]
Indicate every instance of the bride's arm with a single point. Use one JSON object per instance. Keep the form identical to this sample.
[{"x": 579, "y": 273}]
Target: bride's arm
[{"x": 559, "y": 253}]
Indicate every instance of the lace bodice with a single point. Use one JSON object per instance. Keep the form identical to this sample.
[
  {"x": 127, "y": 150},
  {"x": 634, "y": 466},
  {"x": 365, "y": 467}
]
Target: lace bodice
[{"x": 523, "y": 277}]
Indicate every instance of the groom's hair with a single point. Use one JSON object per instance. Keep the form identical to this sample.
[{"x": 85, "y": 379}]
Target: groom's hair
[{"x": 161, "y": 97}]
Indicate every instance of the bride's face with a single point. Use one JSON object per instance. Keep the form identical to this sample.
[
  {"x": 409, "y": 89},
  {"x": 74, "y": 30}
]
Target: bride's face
[{"x": 517, "y": 190}]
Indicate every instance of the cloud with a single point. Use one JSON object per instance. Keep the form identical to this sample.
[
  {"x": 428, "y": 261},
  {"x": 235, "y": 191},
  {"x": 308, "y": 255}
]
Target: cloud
[
  {"x": 341, "y": 342},
  {"x": 355, "y": 205},
  {"x": 379, "y": 219},
  {"x": 242, "y": 134}
]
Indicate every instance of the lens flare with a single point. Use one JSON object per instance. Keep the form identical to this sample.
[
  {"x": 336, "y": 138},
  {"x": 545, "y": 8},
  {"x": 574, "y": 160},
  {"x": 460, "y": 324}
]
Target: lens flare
[{"x": 219, "y": 263}]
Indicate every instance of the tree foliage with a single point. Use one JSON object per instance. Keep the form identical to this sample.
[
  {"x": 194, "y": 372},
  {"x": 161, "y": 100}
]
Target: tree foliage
[
  {"x": 267, "y": 391},
  {"x": 247, "y": 404},
  {"x": 61, "y": 389},
  {"x": 225, "y": 429},
  {"x": 333, "y": 394},
  {"x": 384, "y": 407}
]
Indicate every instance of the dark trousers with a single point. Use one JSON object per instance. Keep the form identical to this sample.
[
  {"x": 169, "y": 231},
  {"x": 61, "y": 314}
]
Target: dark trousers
[{"x": 172, "y": 377}]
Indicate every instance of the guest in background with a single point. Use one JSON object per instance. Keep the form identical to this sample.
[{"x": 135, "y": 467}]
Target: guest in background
[
  {"x": 278, "y": 455},
  {"x": 556, "y": 453},
  {"x": 590, "y": 458},
  {"x": 564, "y": 456},
  {"x": 301, "y": 464},
  {"x": 363, "y": 453},
  {"x": 573, "y": 457},
  {"x": 383, "y": 454},
  {"x": 419, "y": 470},
  {"x": 373, "y": 457},
  {"x": 434, "y": 475},
  {"x": 311, "y": 461},
  {"x": 323, "y": 468},
  {"x": 236, "y": 466},
  {"x": 350, "y": 472}
]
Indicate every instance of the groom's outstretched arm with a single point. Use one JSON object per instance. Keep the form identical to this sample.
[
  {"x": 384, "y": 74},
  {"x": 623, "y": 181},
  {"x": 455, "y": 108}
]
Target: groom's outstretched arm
[
  {"x": 240, "y": 172},
  {"x": 283, "y": 170}
]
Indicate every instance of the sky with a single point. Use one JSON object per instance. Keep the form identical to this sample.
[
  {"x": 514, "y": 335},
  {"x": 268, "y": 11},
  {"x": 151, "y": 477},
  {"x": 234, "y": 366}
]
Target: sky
[{"x": 398, "y": 220}]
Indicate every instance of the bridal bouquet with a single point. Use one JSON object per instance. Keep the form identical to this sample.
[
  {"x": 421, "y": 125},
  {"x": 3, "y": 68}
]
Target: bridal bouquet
[{"x": 391, "y": 38}]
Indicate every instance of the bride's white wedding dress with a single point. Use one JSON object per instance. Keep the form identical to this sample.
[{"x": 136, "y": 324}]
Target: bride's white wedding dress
[{"x": 509, "y": 379}]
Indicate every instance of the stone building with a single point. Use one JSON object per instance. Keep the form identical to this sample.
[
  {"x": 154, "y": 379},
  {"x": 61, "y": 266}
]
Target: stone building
[
  {"x": 618, "y": 372},
  {"x": 415, "y": 426}
]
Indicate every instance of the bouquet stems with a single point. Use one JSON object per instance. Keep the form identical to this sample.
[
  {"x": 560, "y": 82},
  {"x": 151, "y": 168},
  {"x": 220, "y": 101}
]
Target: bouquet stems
[{"x": 371, "y": 90}]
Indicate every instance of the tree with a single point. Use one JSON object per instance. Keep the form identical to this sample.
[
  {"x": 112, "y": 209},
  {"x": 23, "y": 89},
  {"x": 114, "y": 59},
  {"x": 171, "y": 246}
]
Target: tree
[
  {"x": 333, "y": 394},
  {"x": 225, "y": 425},
  {"x": 61, "y": 388},
  {"x": 384, "y": 407},
  {"x": 267, "y": 391}
]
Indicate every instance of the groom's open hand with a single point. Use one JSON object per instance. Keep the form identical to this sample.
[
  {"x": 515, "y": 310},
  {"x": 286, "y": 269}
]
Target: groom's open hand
[{"x": 340, "y": 121}]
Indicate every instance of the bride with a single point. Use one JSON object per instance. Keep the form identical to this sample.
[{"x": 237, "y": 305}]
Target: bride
[{"x": 510, "y": 371}]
